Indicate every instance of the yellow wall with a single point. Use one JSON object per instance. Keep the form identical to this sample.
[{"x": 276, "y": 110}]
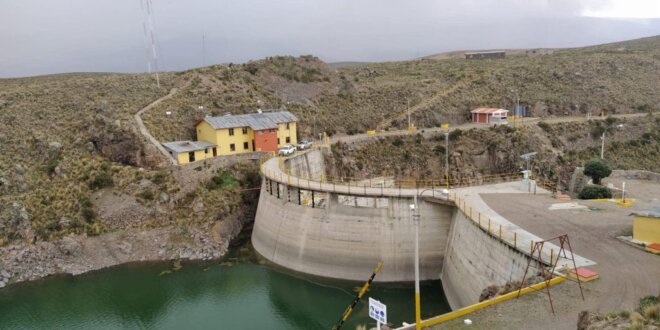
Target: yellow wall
[
  {"x": 223, "y": 140},
  {"x": 283, "y": 133},
  {"x": 182, "y": 157},
  {"x": 646, "y": 229}
]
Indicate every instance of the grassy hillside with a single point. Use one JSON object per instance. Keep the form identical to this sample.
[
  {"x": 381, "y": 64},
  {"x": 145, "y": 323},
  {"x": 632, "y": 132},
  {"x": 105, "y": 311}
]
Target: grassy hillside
[
  {"x": 614, "y": 78},
  {"x": 67, "y": 139},
  {"x": 631, "y": 144}
]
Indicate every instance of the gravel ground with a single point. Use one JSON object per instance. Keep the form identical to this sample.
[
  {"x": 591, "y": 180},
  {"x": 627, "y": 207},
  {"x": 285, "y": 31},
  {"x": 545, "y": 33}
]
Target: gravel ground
[{"x": 626, "y": 273}]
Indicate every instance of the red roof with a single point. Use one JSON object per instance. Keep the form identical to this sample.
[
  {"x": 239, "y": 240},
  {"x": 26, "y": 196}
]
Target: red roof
[{"x": 488, "y": 110}]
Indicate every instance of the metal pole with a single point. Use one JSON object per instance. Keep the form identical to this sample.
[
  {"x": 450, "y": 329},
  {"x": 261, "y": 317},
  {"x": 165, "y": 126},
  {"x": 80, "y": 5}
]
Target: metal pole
[
  {"x": 447, "y": 158},
  {"x": 418, "y": 316},
  {"x": 623, "y": 192},
  {"x": 602, "y": 145}
]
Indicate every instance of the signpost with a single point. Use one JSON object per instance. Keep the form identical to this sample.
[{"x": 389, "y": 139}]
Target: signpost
[{"x": 378, "y": 312}]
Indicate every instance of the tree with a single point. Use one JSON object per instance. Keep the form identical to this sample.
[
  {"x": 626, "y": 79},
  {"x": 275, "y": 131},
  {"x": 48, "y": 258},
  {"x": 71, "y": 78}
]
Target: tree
[{"x": 597, "y": 169}]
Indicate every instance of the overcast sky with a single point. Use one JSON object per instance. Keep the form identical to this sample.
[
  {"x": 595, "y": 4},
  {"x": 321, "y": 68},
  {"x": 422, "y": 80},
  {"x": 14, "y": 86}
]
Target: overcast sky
[{"x": 49, "y": 36}]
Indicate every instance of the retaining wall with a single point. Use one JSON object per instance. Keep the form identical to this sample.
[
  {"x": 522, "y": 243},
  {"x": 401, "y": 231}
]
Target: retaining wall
[{"x": 475, "y": 260}]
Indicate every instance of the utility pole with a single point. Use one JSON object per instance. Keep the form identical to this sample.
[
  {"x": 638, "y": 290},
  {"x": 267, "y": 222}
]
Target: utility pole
[
  {"x": 447, "y": 158},
  {"x": 203, "y": 50},
  {"x": 408, "y": 101},
  {"x": 602, "y": 145}
]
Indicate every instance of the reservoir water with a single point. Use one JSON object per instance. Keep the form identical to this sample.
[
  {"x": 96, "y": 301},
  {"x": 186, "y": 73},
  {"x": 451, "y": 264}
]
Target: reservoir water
[{"x": 237, "y": 293}]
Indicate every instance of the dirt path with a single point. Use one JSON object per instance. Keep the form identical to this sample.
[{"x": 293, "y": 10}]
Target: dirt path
[
  {"x": 145, "y": 132},
  {"x": 626, "y": 273},
  {"x": 425, "y": 103},
  {"x": 360, "y": 138}
]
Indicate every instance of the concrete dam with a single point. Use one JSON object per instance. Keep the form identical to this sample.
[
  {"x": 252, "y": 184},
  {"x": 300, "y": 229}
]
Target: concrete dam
[{"x": 341, "y": 230}]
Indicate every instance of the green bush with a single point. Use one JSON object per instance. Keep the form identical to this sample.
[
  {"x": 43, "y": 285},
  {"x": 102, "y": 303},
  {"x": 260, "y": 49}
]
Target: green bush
[
  {"x": 224, "y": 180},
  {"x": 455, "y": 134},
  {"x": 597, "y": 169},
  {"x": 101, "y": 180},
  {"x": 595, "y": 192},
  {"x": 544, "y": 126}
]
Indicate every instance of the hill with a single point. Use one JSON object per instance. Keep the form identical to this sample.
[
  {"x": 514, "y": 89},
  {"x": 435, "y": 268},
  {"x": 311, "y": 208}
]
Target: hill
[{"x": 68, "y": 143}]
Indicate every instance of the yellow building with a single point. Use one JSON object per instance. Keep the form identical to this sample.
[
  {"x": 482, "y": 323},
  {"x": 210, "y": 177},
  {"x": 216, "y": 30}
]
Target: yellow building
[
  {"x": 646, "y": 225},
  {"x": 261, "y": 131},
  {"x": 189, "y": 151},
  {"x": 236, "y": 134}
]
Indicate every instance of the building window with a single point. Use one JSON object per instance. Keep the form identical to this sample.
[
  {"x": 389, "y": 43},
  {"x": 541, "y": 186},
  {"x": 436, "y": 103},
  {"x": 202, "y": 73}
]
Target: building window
[
  {"x": 246, "y": 145},
  {"x": 191, "y": 156},
  {"x": 288, "y": 139},
  {"x": 231, "y": 132},
  {"x": 232, "y": 147},
  {"x": 206, "y": 151},
  {"x": 271, "y": 130},
  {"x": 278, "y": 141},
  {"x": 244, "y": 130},
  {"x": 287, "y": 125}
]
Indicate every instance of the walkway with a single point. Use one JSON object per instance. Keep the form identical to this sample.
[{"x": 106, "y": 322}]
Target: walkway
[{"x": 145, "y": 132}]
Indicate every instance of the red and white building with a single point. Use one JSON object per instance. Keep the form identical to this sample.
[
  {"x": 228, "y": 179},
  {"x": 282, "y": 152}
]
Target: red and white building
[{"x": 490, "y": 116}]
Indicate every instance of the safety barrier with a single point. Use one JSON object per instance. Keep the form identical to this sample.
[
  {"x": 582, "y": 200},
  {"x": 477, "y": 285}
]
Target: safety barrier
[{"x": 481, "y": 305}]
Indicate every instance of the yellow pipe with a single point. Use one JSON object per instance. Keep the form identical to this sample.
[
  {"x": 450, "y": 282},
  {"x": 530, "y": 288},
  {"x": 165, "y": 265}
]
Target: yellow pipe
[{"x": 469, "y": 309}]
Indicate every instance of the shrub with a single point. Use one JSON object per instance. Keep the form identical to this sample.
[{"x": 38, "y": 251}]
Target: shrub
[
  {"x": 397, "y": 142},
  {"x": 455, "y": 134},
  {"x": 595, "y": 192},
  {"x": 101, "y": 180},
  {"x": 597, "y": 169},
  {"x": 222, "y": 181},
  {"x": 544, "y": 126},
  {"x": 439, "y": 149}
]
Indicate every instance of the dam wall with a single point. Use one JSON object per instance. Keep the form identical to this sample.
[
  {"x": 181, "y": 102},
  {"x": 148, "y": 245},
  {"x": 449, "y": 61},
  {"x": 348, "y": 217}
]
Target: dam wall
[
  {"x": 338, "y": 229},
  {"x": 475, "y": 260},
  {"x": 344, "y": 237}
]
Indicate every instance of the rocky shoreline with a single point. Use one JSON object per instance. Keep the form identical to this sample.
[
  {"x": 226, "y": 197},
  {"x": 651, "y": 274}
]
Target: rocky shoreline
[{"x": 75, "y": 255}]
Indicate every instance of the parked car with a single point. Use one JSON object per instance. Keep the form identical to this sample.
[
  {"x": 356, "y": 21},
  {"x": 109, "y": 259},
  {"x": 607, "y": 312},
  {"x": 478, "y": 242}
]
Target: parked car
[
  {"x": 286, "y": 150},
  {"x": 304, "y": 144}
]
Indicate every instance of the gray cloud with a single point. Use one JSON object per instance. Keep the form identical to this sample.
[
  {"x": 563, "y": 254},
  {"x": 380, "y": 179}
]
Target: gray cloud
[{"x": 45, "y": 36}]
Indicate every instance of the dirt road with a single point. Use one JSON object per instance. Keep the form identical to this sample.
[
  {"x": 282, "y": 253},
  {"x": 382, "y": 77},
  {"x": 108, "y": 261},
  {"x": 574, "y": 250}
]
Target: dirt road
[{"x": 626, "y": 273}]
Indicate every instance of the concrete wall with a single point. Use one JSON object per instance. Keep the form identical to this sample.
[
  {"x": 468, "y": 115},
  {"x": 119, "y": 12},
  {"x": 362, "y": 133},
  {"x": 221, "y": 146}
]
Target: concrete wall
[
  {"x": 474, "y": 260},
  {"x": 307, "y": 165},
  {"x": 346, "y": 242}
]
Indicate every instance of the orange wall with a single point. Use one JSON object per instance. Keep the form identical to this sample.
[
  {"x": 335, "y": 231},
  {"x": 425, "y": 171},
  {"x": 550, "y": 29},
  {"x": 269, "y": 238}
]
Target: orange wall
[{"x": 265, "y": 140}]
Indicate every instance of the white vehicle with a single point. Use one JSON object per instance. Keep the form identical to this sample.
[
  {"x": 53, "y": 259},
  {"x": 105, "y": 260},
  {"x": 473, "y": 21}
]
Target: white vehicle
[
  {"x": 286, "y": 150},
  {"x": 304, "y": 144}
]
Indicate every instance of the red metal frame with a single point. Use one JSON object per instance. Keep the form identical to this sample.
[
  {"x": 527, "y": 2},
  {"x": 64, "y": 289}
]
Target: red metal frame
[{"x": 541, "y": 265}]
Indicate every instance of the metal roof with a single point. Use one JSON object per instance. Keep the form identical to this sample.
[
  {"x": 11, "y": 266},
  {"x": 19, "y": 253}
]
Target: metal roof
[
  {"x": 257, "y": 121},
  {"x": 187, "y": 146},
  {"x": 651, "y": 213},
  {"x": 488, "y": 110}
]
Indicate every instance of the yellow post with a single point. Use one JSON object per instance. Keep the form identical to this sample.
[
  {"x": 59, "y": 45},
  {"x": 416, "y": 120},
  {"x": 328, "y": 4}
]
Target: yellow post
[
  {"x": 418, "y": 314},
  {"x": 515, "y": 240}
]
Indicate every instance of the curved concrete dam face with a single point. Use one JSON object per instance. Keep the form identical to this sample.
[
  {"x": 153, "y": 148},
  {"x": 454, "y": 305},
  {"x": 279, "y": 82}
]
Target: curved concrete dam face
[{"x": 327, "y": 230}]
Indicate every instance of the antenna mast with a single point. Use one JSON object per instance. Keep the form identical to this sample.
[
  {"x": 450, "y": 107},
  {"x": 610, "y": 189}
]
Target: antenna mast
[{"x": 150, "y": 40}]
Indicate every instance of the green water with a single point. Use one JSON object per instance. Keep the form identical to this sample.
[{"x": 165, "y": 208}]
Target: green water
[{"x": 244, "y": 295}]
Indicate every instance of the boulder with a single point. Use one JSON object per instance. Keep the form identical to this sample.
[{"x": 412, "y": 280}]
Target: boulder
[
  {"x": 69, "y": 246},
  {"x": 54, "y": 147}
]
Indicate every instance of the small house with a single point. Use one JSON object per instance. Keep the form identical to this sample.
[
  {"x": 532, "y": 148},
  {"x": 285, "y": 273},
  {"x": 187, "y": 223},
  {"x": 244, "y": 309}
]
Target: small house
[
  {"x": 646, "y": 225},
  {"x": 189, "y": 151},
  {"x": 490, "y": 116}
]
